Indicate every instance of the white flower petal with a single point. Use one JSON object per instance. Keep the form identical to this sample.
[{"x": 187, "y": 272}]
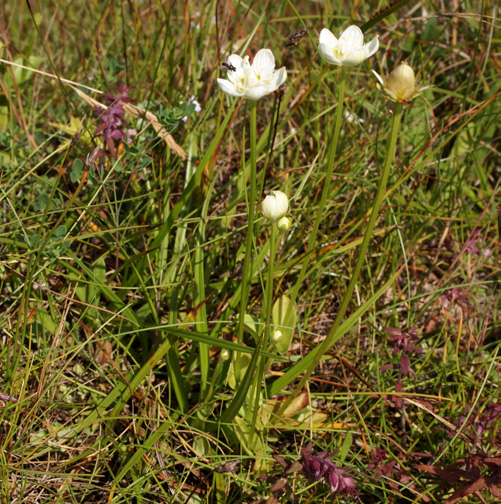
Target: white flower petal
[
  {"x": 355, "y": 58},
  {"x": 236, "y": 61},
  {"x": 256, "y": 92},
  {"x": 349, "y": 50},
  {"x": 264, "y": 62},
  {"x": 327, "y": 53},
  {"x": 279, "y": 77},
  {"x": 275, "y": 206},
  {"x": 253, "y": 81},
  {"x": 353, "y": 36},
  {"x": 379, "y": 78},
  {"x": 327, "y": 38},
  {"x": 372, "y": 46},
  {"x": 229, "y": 88}
]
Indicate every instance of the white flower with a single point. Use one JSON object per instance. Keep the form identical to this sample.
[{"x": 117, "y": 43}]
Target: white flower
[
  {"x": 252, "y": 81},
  {"x": 198, "y": 108},
  {"x": 351, "y": 117},
  {"x": 275, "y": 206},
  {"x": 349, "y": 49},
  {"x": 400, "y": 85}
]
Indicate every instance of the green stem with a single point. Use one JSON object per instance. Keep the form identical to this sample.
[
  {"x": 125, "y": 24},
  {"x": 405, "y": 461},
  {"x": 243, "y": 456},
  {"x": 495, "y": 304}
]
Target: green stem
[
  {"x": 325, "y": 192},
  {"x": 266, "y": 318},
  {"x": 268, "y": 295},
  {"x": 251, "y": 204},
  {"x": 383, "y": 181}
]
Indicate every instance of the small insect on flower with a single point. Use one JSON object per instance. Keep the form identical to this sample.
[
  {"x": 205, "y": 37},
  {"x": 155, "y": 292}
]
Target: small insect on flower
[
  {"x": 226, "y": 65},
  {"x": 252, "y": 81}
]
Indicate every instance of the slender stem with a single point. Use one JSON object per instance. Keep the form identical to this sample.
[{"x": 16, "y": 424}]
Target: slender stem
[
  {"x": 325, "y": 192},
  {"x": 268, "y": 295},
  {"x": 251, "y": 204},
  {"x": 383, "y": 181},
  {"x": 263, "y": 362}
]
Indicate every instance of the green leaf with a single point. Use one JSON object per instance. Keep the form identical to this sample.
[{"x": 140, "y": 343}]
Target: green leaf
[
  {"x": 60, "y": 231},
  {"x": 235, "y": 376},
  {"x": 76, "y": 170},
  {"x": 251, "y": 323},
  {"x": 22, "y": 75},
  {"x": 345, "y": 447},
  {"x": 284, "y": 319}
]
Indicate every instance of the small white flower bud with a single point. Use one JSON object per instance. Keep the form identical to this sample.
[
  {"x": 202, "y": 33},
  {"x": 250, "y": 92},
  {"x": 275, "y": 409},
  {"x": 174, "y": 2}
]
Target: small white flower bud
[
  {"x": 284, "y": 224},
  {"x": 225, "y": 354},
  {"x": 277, "y": 335},
  {"x": 275, "y": 206},
  {"x": 402, "y": 82}
]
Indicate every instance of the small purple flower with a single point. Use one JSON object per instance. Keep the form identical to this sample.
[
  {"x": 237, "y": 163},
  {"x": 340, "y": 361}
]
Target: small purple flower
[
  {"x": 471, "y": 247},
  {"x": 112, "y": 128},
  {"x": 319, "y": 466},
  {"x": 456, "y": 296},
  {"x": 402, "y": 339}
]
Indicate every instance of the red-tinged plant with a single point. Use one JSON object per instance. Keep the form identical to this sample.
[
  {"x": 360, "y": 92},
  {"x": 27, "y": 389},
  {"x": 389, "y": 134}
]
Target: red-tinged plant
[
  {"x": 401, "y": 343},
  {"x": 478, "y": 473},
  {"x": 112, "y": 128},
  {"x": 477, "y": 425},
  {"x": 318, "y": 467},
  {"x": 384, "y": 468}
]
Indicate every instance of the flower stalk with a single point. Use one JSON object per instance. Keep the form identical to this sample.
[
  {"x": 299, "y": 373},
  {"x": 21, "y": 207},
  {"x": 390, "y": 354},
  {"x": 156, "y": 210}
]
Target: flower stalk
[
  {"x": 326, "y": 189},
  {"x": 251, "y": 207},
  {"x": 331, "y": 337},
  {"x": 263, "y": 362},
  {"x": 268, "y": 294}
]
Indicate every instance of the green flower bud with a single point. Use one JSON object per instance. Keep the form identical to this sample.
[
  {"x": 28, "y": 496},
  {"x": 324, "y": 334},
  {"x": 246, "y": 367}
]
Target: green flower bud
[
  {"x": 225, "y": 354},
  {"x": 284, "y": 224},
  {"x": 277, "y": 335}
]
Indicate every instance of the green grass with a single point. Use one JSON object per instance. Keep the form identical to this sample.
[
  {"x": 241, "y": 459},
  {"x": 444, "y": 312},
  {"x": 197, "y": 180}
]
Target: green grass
[{"x": 123, "y": 281}]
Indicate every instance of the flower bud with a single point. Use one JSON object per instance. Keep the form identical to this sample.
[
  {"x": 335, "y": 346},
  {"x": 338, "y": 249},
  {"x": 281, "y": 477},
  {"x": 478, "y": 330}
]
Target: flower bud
[
  {"x": 275, "y": 206},
  {"x": 401, "y": 83},
  {"x": 284, "y": 224},
  {"x": 277, "y": 335},
  {"x": 225, "y": 354}
]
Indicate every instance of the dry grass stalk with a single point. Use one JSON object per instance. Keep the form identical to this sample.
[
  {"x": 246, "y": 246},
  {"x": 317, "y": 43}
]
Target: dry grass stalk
[{"x": 130, "y": 109}]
